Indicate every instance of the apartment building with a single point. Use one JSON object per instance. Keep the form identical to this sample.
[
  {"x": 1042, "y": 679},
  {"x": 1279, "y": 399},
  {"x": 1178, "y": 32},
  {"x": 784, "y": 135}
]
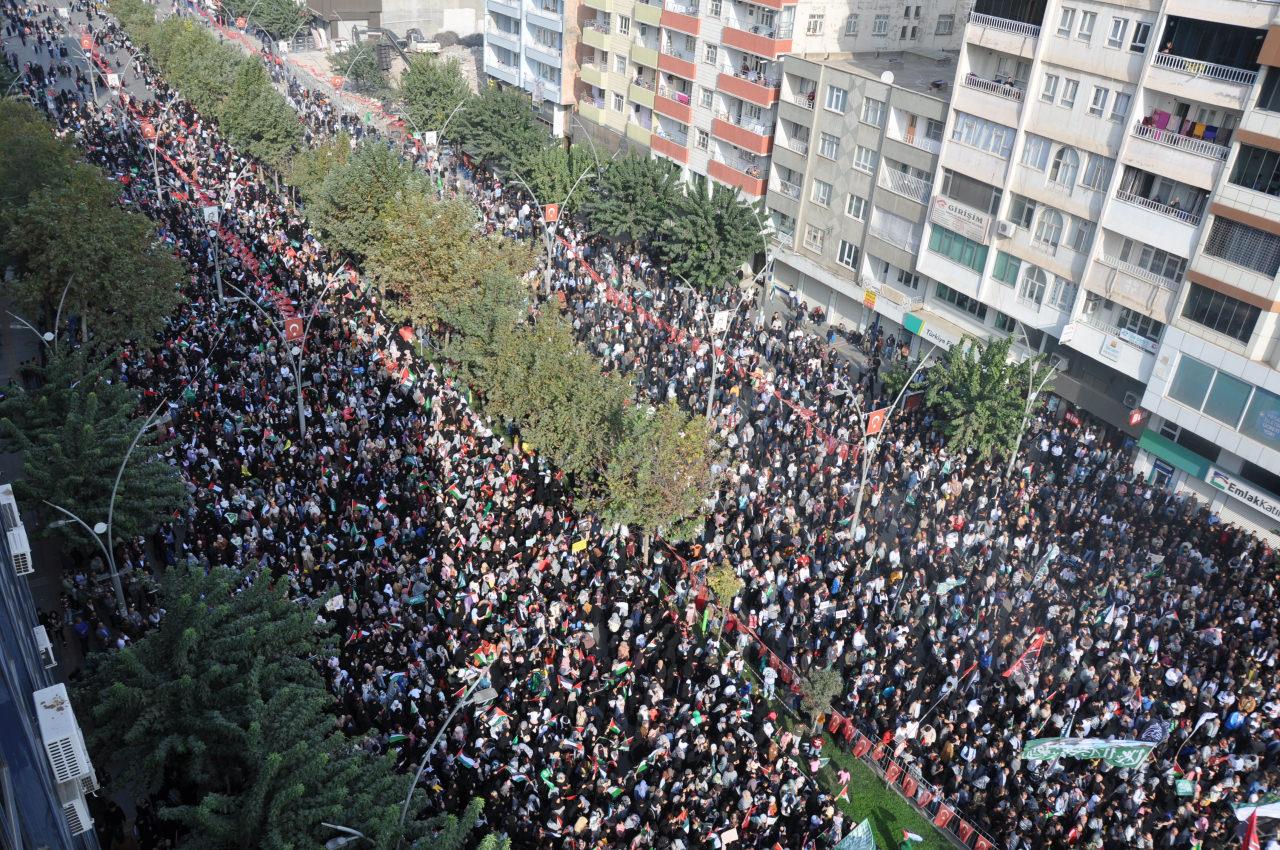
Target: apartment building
[
  {"x": 45, "y": 771},
  {"x": 856, "y": 147},
  {"x": 698, "y": 81},
  {"x": 531, "y": 44},
  {"x": 1104, "y": 194}
]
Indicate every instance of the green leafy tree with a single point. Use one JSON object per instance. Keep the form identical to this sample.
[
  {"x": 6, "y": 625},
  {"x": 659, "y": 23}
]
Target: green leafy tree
[
  {"x": 119, "y": 278},
  {"x": 222, "y": 706},
  {"x": 195, "y": 62},
  {"x": 636, "y": 195},
  {"x": 480, "y": 319},
  {"x": 431, "y": 256},
  {"x": 709, "y": 237},
  {"x": 498, "y": 127},
  {"x": 659, "y": 473},
  {"x": 308, "y": 170},
  {"x": 358, "y": 66},
  {"x": 257, "y": 120},
  {"x": 431, "y": 90},
  {"x": 73, "y": 433},
  {"x": 980, "y": 397},
  {"x": 819, "y": 690},
  {"x": 351, "y": 204},
  {"x": 552, "y": 172},
  {"x": 31, "y": 157},
  {"x": 725, "y": 585},
  {"x": 282, "y": 19},
  {"x": 564, "y": 405}
]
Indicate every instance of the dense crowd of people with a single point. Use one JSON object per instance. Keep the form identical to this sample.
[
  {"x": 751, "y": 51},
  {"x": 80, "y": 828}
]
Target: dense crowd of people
[{"x": 966, "y": 613}]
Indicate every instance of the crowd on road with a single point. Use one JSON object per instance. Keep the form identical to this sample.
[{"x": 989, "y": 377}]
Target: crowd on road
[{"x": 967, "y": 614}]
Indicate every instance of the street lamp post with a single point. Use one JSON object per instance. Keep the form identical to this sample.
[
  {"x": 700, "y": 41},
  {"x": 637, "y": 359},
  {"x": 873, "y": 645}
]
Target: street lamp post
[
  {"x": 96, "y": 532},
  {"x": 1033, "y": 393},
  {"x": 470, "y": 698},
  {"x": 549, "y": 229}
]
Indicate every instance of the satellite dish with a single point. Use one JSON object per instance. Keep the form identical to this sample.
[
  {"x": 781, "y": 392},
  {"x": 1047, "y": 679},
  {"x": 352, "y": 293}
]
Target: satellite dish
[{"x": 887, "y": 78}]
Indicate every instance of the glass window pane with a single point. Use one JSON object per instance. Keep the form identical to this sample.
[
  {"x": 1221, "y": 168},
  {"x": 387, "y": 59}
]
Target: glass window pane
[
  {"x": 1227, "y": 399},
  {"x": 1191, "y": 382},
  {"x": 1262, "y": 421}
]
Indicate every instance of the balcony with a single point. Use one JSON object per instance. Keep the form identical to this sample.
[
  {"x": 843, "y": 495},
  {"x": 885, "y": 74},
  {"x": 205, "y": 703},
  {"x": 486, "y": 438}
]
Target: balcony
[
  {"x": 906, "y": 185},
  {"x": 648, "y": 13},
  {"x": 1101, "y": 340},
  {"x": 739, "y": 173},
  {"x": 546, "y": 13},
  {"x": 791, "y": 190},
  {"x": 510, "y": 8},
  {"x": 596, "y": 34},
  {"x": 1208, "y": 70},
  {"x": 680, "y": 17},
  {"x": 918, "y": 140},
  {"x": 761, "y": 91},
  {"x": 638, "y": 134},
  {"x": 673, "y": 104},
  {"x": 601, "y": 5},
  {"x": 592, "y": 109},
  {"x": 1134, "y": 287},
  {"x": 644, "y": 55},
  {"x": 1004, "y": 25},
  {"x": 800, "y": 146},
  {"x": 1175, "y": 213},
  {"x": 749, "y": 135},
  {"x": 1008, "y": 92},
  {"x": 508, "y": 72},
  {"x": 1003, "y": 34},
  {"x": 641, "y": 92},
  {"x": 672, "y": 148},
  {"x": 677, "y": 62},
  {"x": 1204, "y": 82},
  {"x": 761, "y": 41},
  {"x": 591, "y": 74},
  {"x": 509, "y": 40},
  {"x": 1190, "y": 144}
]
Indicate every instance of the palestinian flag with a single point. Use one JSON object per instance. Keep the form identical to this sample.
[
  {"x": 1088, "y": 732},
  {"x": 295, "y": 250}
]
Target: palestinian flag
[
  {"x": 454, "y": 491},
  {"x": 622, "y": 669},
  {"x": 397, "y": 739},
  {"x": 614, "y": 728},
  {"x": 909, "y": 836},
  {"x": 844, "y": 793}
]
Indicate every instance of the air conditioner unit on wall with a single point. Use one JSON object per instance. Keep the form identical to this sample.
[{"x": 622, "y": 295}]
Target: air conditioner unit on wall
[
  {"x": 63, "y": 742},
  {"x": 1131, "y": 400},
  {"x": 19, "y": 548},
  {"x": 1005, "y": 229},
  {"x": 74, "y": 808},
  {"x": 45, "y": 646}
]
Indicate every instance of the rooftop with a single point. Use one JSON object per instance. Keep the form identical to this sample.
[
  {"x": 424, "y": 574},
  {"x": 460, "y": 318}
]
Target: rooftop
[{"x": 929, "y": 73}]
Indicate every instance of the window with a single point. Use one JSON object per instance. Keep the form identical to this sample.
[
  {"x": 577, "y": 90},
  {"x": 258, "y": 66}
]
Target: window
[
  {"x": 1066, "y": 164},
  {"x": 957, "y": 248},
  {"x": 1050, "y": 90},
  {"x": 851, "y": 25},
  {"x": 960, "y": 301},
  {"x": 915, "y": 33},
  {"x": 704, "y": 97},
  {"x": 1062, "y": 294},
  {"x": 624, "y": 25},
  {"x": 1190, "y": 383},
  {"x": 1097, "y": 173},
  {"x": 873, "y": 112},
  {"x": 946, "y": 24},
  {"x": 1244, "y": 245},
  {"x": 1115, "y": 37},
  {"x": 1144, "y": 326},
  {"x": 1034, "y": 283},
  {"x": 1049, "y": 228},
  {"x": 620, "y": 63},
  {"x": 1005, "y": 323},
  {"x": 1098, "y": 103},
  {"x": 855, "y": 207},
  {"x": 1141, "y": 35},
  {"x": 982, "y": 134},
  {"x": 1006, "y": 268},
  {"x": 1120, "y": 107},
  {"x": 1257, "y": 169},
  {"x": 703, "y": 140},
  {"x": 971, "y": 192},
  {"x": 1269, "y": 94},
  {"x": 709, "y": 55},
  {"x": 1171, "y": 267},
  {"x": 1220, "y": 313},
  {"x": 1081, "y": 231},
  {"x": 829, "y": 145},
  {"x": 1069, "y": 89},
  {"x": 864, "y": 159},
  {"x": 821, "y": 194},
  {"x": 1087, "y": 22},
  {"x": 933, "y": 130},
  {"x": 1262, "y": 419},
  {"x": 837, "y": 99},
  {"x": 1067, "y": 21},
  {"x": 848, "y": 255},
  {"x": 714, "y": 8},
  {"x": 814, "y": 236},
  {"x": 817, "y": 20},
  {"x": 906, "y": 279},
  {"x": 1227, "y": 398},
  {"x": 1022, "y": 211},
  {"x": 880, "y": 26},
  {"x": 618, "y": 102},
  {"x": 1035, "y": 152}
]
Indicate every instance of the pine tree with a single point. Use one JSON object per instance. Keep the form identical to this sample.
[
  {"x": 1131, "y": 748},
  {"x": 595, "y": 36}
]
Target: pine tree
[
  {"x": 498, "y": 127},
  {"x": 636, "y": 195},
  {"x": 710, "y": 237}
]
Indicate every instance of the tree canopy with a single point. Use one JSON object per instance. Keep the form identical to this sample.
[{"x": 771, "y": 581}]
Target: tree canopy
[
  {"x": 552, "y": 171},
  {"x": 708, "y": 238},
  {"x": 358, "y": 66},
  {"x": 281, "y": 19},
  {"x": 432, "y": 89},
  {"x": 351, "y": 205},
  {"x": 636, "y": 195},
  {"x": 498, "y": 127}
]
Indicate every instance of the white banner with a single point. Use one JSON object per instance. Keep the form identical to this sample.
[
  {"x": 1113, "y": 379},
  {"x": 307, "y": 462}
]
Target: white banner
[{"x": 1253, "y": 497}]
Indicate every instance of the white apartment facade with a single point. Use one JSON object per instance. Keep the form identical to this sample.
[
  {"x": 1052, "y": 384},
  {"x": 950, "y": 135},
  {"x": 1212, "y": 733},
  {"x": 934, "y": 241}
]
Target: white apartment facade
[
  {"x": 1089, "y": 201},
  {"x": 530, "y": 44}
]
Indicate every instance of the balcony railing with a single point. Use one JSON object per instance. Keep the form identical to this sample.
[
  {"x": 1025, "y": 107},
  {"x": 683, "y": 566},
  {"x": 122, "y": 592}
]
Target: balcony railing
[
  {"x": 751, "y": 126},
  {"x": 597, "y": 102},
  {"x": 786, "y": 187},
  {"x": 672, "y": 94},
  {"x": 680, "y": 139},
  {"x": 1197, "y": 68},
  {"x": 1140, "y": 273},
  {"x": 906, "y": 185},
  {"x": 919, "y": 140},
  {"x": 1015, "y": 27},
  {"x": 909, "y": 241},
  {"x": 751, "y": 167},
  {"x": 682, "y": 55},
  {"x": 596, "y": 24},
  {"x": 760, "y": 79},
  {"x": 643, "y": 83},
  {"x": 973, "y": 81},
  {"x": 784, "y": 238},
  {"x": 800, "y": 147},
  {"x": 681, "y": 8},
  {"x": 1133, "y": 338},
  {"x": 1184, "y": 216},
  {"x": 1190, "y": 144}
]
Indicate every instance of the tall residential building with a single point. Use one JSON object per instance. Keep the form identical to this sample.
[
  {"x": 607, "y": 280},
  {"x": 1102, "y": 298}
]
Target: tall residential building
[
  {"x": 1104, "y": 193},
  {"x": 44, "y": 767},
  {"x": 530, "y": 44},
  {"x": 698, "y": 81},
  {"x": 856, "y": 147}
]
